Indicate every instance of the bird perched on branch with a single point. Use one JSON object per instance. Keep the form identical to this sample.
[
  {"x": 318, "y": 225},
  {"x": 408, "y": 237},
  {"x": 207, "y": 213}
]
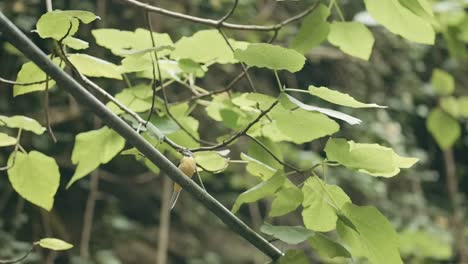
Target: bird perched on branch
[{"x": 188, "y": 166}]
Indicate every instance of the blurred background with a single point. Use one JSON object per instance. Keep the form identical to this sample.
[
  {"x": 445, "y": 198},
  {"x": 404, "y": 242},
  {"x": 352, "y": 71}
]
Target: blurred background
[{"x": 127, "y": 221}]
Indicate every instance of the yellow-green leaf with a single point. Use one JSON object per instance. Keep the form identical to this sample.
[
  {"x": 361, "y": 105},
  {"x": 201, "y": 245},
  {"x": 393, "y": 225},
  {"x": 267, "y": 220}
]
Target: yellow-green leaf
[
  {"x": 442, "y": 82},
  {"x": 93, "y": 148},
  {"x": 352, "y": 38},
  {"x": 22, "y": 122},
  {"x": 6, "y": 140},
  {"x": 313, "y": 31},
  {"x": 443, "y": 127},
  {"x": 95, "y": 67},
  {"x": 211, "y": 161},
  {"x": 270, "y": 56},
  {"x": 54, "y": 244},
  {"x": 338, "y": 98},
  {"x": 35, "y": 177},
  {"x": 56, "y": 24}
]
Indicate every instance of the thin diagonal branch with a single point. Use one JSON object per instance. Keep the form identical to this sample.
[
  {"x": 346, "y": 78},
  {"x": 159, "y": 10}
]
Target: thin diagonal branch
[
  {"x": 238, "y": 134},
  {"x": 18, "y": 260}
]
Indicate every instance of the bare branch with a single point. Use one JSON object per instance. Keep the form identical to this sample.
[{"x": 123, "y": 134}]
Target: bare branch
[{"x": 216, "y": 23}]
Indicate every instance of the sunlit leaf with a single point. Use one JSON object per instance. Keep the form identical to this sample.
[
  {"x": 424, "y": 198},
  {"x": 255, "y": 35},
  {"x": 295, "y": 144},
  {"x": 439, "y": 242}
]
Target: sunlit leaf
[
  {"x": 313, "y": 31},
  {"x": 95, "y": 67},
  {"x": 58, "y": 23},
  {"x": 136, "y": 98},
  {"x": 54, "y": 244},
  {"x": 22, "y": 122},
  {"x": 209, "y": 45},
  {"x": 258, "y": 168},
  {"x": 372, "y": 159},
  {"x": 400, "y": 20},
  {"x": 35, "y": 177},
  {"x": 352, "y": 38},
  {"x": 259, "y": 191},
  {"x": 442, "y": 82},
  {"x": 373, "y": 234},
  {"x": 211, "y": 160},
  {"x": 338, "y": 98},
  {"x": 321, "y": 203},
  {"x": 443, "y": 127},
  {"x": 122, "y": 42},
  {"x": 6, "y": 140},
  {"x": 270, "y": 56},
  {"x": 30, "y": 73},
  {"x": 93, "y": 148},
  {"x": 75, "y": 43},
  {"x": 287, "y": 200}
]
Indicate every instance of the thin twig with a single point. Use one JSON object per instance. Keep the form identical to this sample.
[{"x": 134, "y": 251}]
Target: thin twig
[
  {"x": 216, "y": 23},
  {"x": 164, "y": 222},
  {"x": 3, "y": 80},
  {"x": 15, "y": 151},
  {"x": 238, "y": 134},
  {"x": 229, "y": 13},
  {"x": 244, "y": 68},
  {"x": 18, "y": 260},
  {"x": 272, "y": 154},
  {"x": 46, "y": 110},
  {"x": 89, "y": 214},
  {"x": 161, "y": 83}
]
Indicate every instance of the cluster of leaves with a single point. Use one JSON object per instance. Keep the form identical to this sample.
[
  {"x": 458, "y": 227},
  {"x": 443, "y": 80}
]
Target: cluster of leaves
[{"x": 361, "y": 231}]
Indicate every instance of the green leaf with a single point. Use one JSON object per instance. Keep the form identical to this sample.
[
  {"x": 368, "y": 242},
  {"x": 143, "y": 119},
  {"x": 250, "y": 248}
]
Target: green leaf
[
  {"x": 35, "y": 177},
  {"x": 212, "y": 161},
  {"x": 95, "y": 67},
  {"x": 321, "y": 203},
  {"x": 463, "y": 106},
  {"x": 22, "y": 122},
  {"x": 372, "y": 159},
  {"x": 443, "y": 127},
  {"x": 270, "y": 56},
  {"x": 424, "y": 244},
  {"x": 6, "y": 140},
  {"x": 122, "y": 42},
  {"x": 293, "y": 256},
  {"x": 421, "y": 8},
  {"x": 30, "y": 73},
  {"x": 289, "y": 234},
  {"x": 303, "y": 126},
  {"x": 258, "y": 168},
  {"x": 136, "y": 98},
  {"x": 210, "y": 47},
  {"x": 93, "y": 148},
  {"x": 54, "y": 244},
  {"x": 259, "y": 191},
  {"x": 375, "y": 236},
  {"x": 286, "y": 100},
  {"x": 450, "y": 105},
  {"x": 287, "y": 200},
  {"x": 328, "y": 248},
  {"x": 57, "y": 23},
  {"x": 338, "y": 98},
  {"x": 352, "y": 38},
  {"x": 399, "y": 20},
  {"x": 75, "y": 43},
  {"x": 442, "y": 82},
  {"x": 313, "y": 31}
]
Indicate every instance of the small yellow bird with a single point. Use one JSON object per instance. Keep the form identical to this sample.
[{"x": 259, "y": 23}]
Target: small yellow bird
[{"x": 188, "y": 166}]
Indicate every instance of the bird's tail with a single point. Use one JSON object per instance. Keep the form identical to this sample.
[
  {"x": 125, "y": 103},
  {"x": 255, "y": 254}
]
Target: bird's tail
[{"x": 175, "y": 196}]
